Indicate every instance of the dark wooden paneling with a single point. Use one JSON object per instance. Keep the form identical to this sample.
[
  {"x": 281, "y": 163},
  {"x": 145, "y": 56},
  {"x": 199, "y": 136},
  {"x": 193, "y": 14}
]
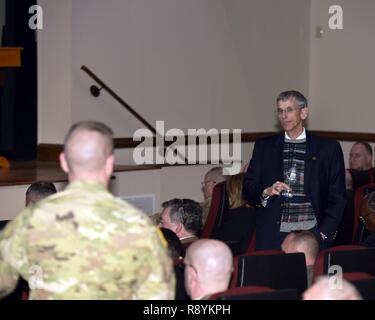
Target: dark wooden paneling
[
  {"x": 347, "y": 136},
  {"x": 49, "y": 152},
  {"x": 27, "y": 172}
]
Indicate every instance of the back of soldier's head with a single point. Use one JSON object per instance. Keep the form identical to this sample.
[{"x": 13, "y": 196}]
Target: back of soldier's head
[
  {"x": 38, "y": 191},
  {"x": 87, "y": 146}
]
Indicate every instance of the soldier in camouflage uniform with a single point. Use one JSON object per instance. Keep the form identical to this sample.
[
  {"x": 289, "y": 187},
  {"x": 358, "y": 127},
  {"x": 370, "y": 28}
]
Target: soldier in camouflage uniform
[{"x": 83, "y": 243}]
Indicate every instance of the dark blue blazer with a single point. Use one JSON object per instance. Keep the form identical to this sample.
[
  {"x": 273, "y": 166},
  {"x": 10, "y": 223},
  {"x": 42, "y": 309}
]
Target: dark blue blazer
[{"x": 324, "y": 183}]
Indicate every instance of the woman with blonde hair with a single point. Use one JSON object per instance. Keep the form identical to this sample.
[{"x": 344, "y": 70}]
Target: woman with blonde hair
[
  {"x": 234, "y": 191},
  {"x": 238, "y": 222}
]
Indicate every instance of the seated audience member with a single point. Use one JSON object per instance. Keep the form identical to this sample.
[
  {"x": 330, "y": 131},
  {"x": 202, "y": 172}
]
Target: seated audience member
[
  {"x": 38, "y": 191},
  {"x": 238, "y": 223},
  {"x": 211, "y": 178},
  {"x": 176, "y": 253},
  {"x": 368, "y": 218},
  {"x": 360, "y": 161},
  {"x": 208, "y": 268},
  {"x": 234, "y": 191},
  {"x": 183, "y": 217},
  {"x": 327, "y": 288},
  {"x": 358, "y": 174},
  {"x": 305, "y": 242}
]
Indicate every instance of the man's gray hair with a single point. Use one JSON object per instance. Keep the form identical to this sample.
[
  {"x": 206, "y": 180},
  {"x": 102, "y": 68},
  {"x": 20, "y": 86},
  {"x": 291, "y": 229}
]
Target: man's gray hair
[
  {"x": 185, "y": 211},
  {"x": 286, "y": 95}
]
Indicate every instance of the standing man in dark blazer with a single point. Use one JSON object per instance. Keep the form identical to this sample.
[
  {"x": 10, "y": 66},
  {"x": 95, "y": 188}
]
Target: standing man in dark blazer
[{"x": 296, "y": 179}]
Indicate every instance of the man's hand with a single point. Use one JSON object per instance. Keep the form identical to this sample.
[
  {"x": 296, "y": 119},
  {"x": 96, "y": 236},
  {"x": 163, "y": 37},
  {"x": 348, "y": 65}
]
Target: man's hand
[{"x": 275, "y": 189}]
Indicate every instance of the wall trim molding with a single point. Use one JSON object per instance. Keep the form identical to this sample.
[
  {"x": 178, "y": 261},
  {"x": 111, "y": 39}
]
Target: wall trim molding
[{"x": 51, "y": 151}]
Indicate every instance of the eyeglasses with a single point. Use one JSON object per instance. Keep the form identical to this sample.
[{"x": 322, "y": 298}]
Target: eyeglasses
[{"x": 287, "y": 111}]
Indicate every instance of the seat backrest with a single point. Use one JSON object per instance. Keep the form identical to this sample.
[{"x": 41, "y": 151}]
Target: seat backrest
[
  {"x": 257, "y": 293},
  {"x": 362, "y": 177},
  {"x": 241, "y": 293},
  {"x": 219, "y": 205},
  {"x": 351, "y": 260},
  {"x": 356, "y": 276},
  {"x": 273, "y": 269},
  {"x": 366, "y": 288},
  {"x": 319, "y": 268},
  {"x": 236, "y": 229},
  {"x": 358, "y": 197},
  {"x": 235, "y": 274},
  {"x": 252, "y": 244}
]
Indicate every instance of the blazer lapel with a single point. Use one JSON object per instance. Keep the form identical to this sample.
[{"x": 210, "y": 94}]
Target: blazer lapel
[
  {"x": 279, "y": 143},
  {"x": 310, "y": 162}
]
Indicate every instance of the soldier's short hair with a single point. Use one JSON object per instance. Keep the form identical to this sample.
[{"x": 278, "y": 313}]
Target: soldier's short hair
[
  {"x": 88, "y": 145},
  {"x": 95, "y": 126},
  {"x": 39, "y": 190},
  {"x": 185, "y": 211}
]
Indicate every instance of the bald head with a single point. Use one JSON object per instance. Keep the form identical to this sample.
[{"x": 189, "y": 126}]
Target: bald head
[
  {"x": 328, "y": 288},
  {"x": 88, "y": 146},
  {"x": 302, "y": 241},
  {"x": 208, "y": 267}
]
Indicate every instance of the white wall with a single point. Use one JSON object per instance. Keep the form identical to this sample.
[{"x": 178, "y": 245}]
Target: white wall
[
  {"x": 202, "y": 63},
  {"x": 193, "y": 64},
  {"x": 342, "y": 69},
  {"x": 210, "y": 63},
  {"x": 54, "y": 71}
]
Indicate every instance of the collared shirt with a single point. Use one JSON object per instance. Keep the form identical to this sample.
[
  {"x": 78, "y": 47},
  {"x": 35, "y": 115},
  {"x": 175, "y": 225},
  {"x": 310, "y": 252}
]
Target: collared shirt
[{"x": 300, "y": 137}]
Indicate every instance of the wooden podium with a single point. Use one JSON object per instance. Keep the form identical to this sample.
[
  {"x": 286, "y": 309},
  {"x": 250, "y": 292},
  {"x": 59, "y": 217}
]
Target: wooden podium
[{"x": 10, "y": 57}]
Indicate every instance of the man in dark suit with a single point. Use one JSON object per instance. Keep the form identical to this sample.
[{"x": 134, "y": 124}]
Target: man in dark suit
[{"x": 314, "y": 196}]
